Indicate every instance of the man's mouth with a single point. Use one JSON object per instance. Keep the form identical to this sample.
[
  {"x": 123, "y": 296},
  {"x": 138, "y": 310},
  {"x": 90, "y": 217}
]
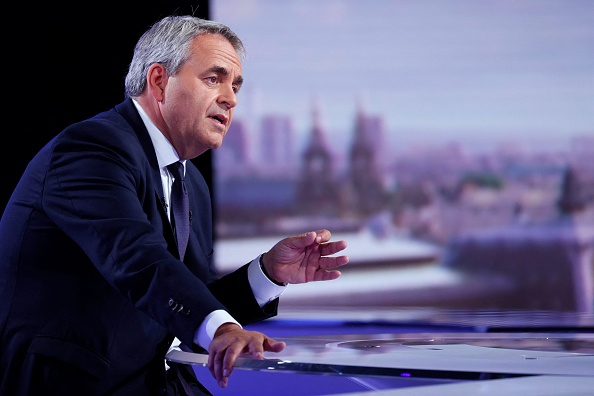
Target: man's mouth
[{"x": 220, "y": 118}]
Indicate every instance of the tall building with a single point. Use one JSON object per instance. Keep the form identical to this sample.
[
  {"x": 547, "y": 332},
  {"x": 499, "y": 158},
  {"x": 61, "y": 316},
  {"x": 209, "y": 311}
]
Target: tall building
[
  {"x": 276, "y": 143},
  {"x": 577, "y": 187},
  {"x": 317, "y": 189},
  {"x": 367, "y": 194}
]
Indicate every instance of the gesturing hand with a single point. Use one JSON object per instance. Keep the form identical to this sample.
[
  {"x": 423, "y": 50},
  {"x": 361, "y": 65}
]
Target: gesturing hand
[
  {"x": 304, "y": 258},
  {"x": 229, "y": 342}
]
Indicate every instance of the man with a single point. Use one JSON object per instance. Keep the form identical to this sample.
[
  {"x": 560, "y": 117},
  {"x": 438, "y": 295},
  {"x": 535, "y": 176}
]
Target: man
[{"x": 93, "y": 284}]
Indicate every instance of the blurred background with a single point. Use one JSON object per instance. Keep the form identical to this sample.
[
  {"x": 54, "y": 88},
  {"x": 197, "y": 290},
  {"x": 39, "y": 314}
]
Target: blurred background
[{"x": 449, "y": 143}]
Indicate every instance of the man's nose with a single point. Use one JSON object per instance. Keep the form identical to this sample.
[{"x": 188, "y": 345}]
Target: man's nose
[{"x": 228, "y": 97}]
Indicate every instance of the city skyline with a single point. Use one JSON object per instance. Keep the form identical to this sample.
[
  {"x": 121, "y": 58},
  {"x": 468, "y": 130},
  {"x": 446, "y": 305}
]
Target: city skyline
[
  {"x": 256, "y": 137},
  {"x": 440, "y": 79},
  {"x": 434, "y": 70}
]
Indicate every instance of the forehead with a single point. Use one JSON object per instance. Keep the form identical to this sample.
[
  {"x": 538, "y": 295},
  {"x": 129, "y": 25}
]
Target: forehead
[{"x": 210, "y": 50}]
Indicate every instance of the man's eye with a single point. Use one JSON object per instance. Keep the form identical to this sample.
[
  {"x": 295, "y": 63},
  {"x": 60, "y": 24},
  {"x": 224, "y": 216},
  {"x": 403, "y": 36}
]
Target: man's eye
[{"x": 212, "y": 80}]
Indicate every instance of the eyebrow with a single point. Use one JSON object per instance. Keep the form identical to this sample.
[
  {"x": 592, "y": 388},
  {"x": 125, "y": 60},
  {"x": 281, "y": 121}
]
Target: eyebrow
[{"x": 224, "y": 72}]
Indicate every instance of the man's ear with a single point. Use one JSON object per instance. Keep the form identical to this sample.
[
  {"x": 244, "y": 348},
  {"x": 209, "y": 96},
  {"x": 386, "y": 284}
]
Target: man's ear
[{"x": 156, "y": 78}]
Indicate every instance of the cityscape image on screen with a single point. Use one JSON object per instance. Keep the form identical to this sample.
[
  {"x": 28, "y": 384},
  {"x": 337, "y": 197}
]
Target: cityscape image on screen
[{"x": 449, "y": 143}]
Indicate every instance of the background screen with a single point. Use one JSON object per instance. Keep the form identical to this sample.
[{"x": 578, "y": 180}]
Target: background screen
[{"x": 449, "y": 143}]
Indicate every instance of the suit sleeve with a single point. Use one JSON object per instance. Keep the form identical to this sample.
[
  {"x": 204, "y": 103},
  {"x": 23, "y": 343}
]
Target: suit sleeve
[{"x": 242, "y": 304}]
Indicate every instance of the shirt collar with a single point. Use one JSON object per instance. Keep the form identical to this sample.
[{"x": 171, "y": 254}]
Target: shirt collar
[{"x": 165, "y": 151}]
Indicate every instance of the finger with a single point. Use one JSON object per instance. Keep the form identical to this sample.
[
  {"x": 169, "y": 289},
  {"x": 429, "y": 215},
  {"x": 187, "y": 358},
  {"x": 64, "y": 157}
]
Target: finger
[
  {"x": 323, "y": 235},
  {"x": 332, "y": 262},
  {"x": 323, "y": 275},
  {"x": 256, "y": 349},
  {"x": 215, "y": 366},
  {"x": 210, "y": 363},
  {"x": 223, "y": 382},
  {"x": 301, "y": 241},
  {"x": 231, "y": 355},
  {"x": 327, "y": 249}
]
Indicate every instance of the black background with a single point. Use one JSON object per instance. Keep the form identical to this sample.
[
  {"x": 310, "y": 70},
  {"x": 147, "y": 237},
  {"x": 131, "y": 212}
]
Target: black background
[{"x": 67, "y": 62}]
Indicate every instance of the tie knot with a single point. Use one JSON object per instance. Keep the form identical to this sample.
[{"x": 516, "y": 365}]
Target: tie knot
[{"x": 177, "y": 170}]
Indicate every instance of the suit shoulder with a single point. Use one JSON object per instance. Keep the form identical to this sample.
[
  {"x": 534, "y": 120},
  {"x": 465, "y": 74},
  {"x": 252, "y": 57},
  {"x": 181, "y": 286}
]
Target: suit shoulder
[{"x": 108, "y": 127}]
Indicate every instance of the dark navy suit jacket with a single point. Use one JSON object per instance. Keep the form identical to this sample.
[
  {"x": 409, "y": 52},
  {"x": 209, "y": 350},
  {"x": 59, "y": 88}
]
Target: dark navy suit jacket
[{"x": 90, "y": 279}]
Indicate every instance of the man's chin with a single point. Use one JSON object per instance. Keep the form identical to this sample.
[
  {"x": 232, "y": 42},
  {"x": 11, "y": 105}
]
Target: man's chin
[{"x": 216, "y": 143}]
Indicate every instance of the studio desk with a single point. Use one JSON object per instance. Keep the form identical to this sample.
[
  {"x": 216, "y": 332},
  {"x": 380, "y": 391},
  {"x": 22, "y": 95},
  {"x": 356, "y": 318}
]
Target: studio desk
[{"x": 415, "y": 352}]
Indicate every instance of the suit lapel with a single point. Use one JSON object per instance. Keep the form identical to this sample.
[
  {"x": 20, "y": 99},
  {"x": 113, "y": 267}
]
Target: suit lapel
[{"x": 129, "y": 112}]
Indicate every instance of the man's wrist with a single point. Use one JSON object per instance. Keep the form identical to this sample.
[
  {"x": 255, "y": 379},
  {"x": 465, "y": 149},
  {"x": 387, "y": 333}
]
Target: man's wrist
[{"x": 267, "y": 275}]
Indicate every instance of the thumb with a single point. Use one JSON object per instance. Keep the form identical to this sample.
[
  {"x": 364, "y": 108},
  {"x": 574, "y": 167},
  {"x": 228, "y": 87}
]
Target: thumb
[
  {"x": 272, "y": 345},
  {"x": 285, "y": 248},
  {"x": 303, "y": 240}
]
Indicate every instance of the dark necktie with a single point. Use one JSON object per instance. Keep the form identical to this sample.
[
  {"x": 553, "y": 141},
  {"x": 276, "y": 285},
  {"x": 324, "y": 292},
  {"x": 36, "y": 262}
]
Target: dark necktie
[{"x": 180, "y": 207}]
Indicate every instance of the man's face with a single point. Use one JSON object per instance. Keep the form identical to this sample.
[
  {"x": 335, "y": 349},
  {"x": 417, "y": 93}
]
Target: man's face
[{"x": 198, "y": 102}]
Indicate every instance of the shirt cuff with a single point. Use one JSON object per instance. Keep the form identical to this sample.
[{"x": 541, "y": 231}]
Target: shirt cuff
[
  {"x": 209, "y": 326},
  {"x": 263, "y": 288}
]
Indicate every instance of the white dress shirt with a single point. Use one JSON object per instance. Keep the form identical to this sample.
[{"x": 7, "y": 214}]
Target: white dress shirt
[{"x": 263, "y": 288}]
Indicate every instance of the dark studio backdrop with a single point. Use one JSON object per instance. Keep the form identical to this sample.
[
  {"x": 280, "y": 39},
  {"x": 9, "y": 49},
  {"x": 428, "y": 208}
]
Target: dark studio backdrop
[
  {"x": 450, "y": 143},
  {"x": 72, "y": 59}
]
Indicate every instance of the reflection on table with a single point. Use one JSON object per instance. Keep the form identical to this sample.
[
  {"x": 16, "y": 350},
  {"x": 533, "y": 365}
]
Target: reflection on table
[{"x": 405, "y": 360}]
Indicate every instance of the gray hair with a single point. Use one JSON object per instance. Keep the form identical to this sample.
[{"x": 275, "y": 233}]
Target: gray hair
[{"x": 168, "y": 42}]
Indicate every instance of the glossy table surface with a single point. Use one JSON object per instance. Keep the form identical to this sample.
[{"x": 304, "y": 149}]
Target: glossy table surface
[
  {"x": 480, "y": 353},
  {"x": 453, "y": 356}
]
